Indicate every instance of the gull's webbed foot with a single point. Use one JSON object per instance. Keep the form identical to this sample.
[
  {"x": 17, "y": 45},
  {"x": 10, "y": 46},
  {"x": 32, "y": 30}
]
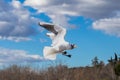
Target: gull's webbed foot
[{"x": 65, "y": 53}]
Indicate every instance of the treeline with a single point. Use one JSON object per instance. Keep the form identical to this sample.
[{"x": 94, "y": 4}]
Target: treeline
[{"x": 98, "y": 71}]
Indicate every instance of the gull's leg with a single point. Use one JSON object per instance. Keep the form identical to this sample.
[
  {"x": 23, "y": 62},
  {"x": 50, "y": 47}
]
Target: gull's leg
[
  {"x": 65, "y": 53},
  {"x": 68, "y": 56}
]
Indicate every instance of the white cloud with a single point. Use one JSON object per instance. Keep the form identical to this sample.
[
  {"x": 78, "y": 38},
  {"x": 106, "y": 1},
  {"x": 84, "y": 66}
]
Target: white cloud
[
  {"x": 15, "y": 21},
  {"x": 109, "y": 26},
  {"x": 8, "y": 56},
  {"x": 37, "y": 2},
  {"x": 16, "y": 39},
  {"x": 89, "y": 8},
  {"x": 59, "y": 10},
  {"x": 16, "y": 4}
]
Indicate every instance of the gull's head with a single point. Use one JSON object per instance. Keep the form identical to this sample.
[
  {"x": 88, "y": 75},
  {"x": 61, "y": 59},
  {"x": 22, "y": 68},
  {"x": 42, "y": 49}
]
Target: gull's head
[{"x": 73, "y": 46}]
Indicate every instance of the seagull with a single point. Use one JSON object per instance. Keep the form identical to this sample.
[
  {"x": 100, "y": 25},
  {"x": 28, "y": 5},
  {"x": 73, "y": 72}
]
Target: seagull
[{"x": 59, "y": 45}]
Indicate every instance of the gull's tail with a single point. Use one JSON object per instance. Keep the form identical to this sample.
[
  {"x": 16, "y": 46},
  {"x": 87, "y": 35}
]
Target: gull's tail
[{"x": 49, "y": 53}]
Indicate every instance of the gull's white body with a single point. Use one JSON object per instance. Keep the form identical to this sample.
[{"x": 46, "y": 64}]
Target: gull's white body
[{"x": 58, "y": 43}]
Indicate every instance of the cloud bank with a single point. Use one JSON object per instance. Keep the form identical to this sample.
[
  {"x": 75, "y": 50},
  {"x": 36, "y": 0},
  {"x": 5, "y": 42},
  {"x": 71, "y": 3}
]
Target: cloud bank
[
  {"x": 110, "y": 26},
  {"x": 89, "y": 8},
  {"x": 15, "y": 21},
  {"x": 60, "y": 10},
  {"x": 9, "y": 56}
]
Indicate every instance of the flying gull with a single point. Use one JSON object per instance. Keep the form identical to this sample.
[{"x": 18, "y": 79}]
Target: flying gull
[{"x": 59, "y": 45}]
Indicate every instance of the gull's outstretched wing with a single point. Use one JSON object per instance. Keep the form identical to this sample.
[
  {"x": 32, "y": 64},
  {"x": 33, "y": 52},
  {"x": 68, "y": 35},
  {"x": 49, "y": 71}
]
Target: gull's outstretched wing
[
  {"x": 59, "y": 38},
  {"x": 52, "y": 27},
  {"x": 58, "y": 31},
  {"x": 48, "y": 26}
]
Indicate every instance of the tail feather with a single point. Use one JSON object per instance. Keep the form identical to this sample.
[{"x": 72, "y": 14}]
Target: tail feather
[{"x": 49, "y": 53}]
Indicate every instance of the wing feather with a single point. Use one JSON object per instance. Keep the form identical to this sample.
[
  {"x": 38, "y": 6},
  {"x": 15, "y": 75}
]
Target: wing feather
[
  {"x": 48, "y": 26},
  {"x": 58, "y": 31}
]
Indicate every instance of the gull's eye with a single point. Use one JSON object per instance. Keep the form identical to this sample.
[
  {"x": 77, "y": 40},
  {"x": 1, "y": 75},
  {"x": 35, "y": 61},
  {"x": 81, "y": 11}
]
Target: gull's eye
[{"x": 72, "y": 46}]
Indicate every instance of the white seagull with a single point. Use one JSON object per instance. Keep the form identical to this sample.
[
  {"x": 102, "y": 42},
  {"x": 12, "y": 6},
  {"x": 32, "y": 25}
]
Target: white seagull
[{"x": 59, "y": 45}]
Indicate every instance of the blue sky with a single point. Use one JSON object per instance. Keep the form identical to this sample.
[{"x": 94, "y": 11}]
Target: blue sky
[{"x": 94, "y": 26}]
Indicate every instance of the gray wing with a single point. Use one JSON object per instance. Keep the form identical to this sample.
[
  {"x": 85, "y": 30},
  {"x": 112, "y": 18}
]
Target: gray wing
[
  {"x": 57, "y": 30},
  {"x": 48, "y": 26}
]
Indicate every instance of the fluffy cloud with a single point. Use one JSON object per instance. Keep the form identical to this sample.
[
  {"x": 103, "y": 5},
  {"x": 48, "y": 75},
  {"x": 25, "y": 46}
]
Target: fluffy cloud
[
  {"x": 90, "y": 8},
  {"x": 17, "y": 56},
  {"x": 109, "y": 26},
  {"x": 15, "y": 21},
  {"x": 59, "y": 10},
  {"x": 16, "y": 39}
]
